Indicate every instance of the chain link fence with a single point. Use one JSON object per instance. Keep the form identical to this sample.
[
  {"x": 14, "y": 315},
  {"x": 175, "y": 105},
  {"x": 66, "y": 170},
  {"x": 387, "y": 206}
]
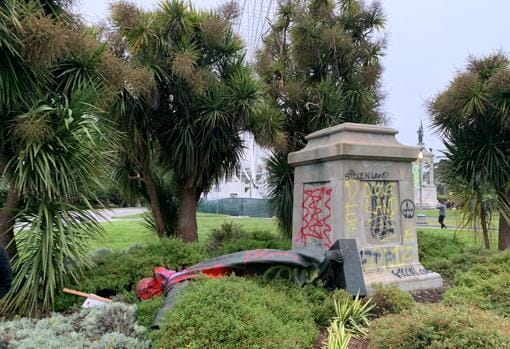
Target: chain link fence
[{"x": 238, "y": 207}]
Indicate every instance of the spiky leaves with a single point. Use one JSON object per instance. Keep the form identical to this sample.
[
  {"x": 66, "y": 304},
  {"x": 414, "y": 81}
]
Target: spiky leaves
[
  {"x": 58, "y": 147},
  {"x": 16, "y": 78},
  {"x": 281, "y": 184},
  {"x": 320, "y": 64},
  {"x": 53, "y": 140},
  {"x": 472, "y": 117},
  {"x": 206, "y": 96}
]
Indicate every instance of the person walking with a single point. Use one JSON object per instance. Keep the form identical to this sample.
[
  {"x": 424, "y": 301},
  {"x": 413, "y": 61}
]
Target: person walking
[
  {"x": 5, "y": 272},
  {"x": 442, "y": 214}
]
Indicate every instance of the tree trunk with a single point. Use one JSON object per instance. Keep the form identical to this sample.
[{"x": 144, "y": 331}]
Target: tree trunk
[
  {"x": 187, "y": 222},
  {"x": 485, "y": 229},
  {"x": 159, "y": 221},
  {"x": 7, "y": 215},
  {"x": 504, "y": 228}
]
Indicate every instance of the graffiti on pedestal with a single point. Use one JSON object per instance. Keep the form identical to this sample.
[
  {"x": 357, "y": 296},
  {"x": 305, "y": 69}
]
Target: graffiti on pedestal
[
  {"x": 316, "y": 221},
  {"x": 380, "y": 202},
  {"x": 383, "y": 257},
  {"x": 409, "y": 272},
  {"x": 351, "y": 207}
]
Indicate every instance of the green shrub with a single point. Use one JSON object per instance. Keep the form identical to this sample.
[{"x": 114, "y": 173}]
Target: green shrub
[
  {"x": 486, "y": 285},
  {"x": 442, "y": 197},
  {"x": 227, "y": 232},
  {"x": 117, "y": 273},
  {"x": 236, "y": 312},
  {"x": 433, "y": 247},
  {"x": 448, "y": 255},
  {"x": 438, "y": 326},
  {"x": 320, "y": 301},
  {"x": 232, "y": 238},
  {"x": 390, "y": 299},
  {"x": 146, "y": 310}
]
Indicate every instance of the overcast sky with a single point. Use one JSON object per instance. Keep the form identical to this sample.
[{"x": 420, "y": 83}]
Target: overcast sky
[{"x": 429, "y": 40}]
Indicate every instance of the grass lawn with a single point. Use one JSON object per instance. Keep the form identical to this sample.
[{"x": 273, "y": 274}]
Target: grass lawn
[
  {"x": 453, "y": 218},
  {"x": 470, "y": 237},
  {"x": 120, "y": 233}
]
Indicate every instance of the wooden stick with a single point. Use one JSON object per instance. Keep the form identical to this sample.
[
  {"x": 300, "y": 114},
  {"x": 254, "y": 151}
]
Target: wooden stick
[{"x": 87, "y": 295}]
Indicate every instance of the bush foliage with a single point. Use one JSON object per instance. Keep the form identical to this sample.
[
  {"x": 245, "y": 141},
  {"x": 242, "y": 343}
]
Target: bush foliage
[
  {"x": 320, "y": 301},
  {"x": 439, "y": 326},
  {"x": 486, "y": 285},
  {"x": 434, "y": 246},
  {"x": 117, "y": 273},
  {"x": 449, "y": 256},
  {"x": 238, "y": 313},
  {"x": 390, "y": 299},
  {"x": 146, "y": 310},
  {"x": 232, "y": 238}
]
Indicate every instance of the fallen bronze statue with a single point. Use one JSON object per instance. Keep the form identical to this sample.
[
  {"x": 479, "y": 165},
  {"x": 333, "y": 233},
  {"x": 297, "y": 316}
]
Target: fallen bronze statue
[{"x": 337, "y": 267}]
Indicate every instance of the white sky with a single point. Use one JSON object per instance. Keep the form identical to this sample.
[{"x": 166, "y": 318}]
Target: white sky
[{"x": 429, "y": 40}]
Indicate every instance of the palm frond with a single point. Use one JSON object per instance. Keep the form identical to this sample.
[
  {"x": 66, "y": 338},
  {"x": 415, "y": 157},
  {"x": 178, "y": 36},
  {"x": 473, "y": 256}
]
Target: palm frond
[
  {"x": 52, "y": 249},
  {"x": 281, "y": 190}
]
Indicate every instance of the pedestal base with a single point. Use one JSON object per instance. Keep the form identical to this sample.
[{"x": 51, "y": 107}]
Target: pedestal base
[{"x": 407, "y": 277}]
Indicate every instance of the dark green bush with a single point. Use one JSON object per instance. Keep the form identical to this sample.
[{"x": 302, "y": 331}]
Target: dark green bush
[
  {"x": 146, "y": 310},
  {"x": 442, "y": 197},
  {"x": 320, "y": 301},
  {"x": 232, "y": 238},
  {"x": 390, "y": 299},
  {"x": 433, "y": 247},
  {"x": 449, "y": 255},
  {"x": 117, "y": 273},
  {"x": 438, "y": 326},
  {"x": 227, "y": 232},
  {"x": 486, "y": 285},
  {"x": 236, "y": 313}
]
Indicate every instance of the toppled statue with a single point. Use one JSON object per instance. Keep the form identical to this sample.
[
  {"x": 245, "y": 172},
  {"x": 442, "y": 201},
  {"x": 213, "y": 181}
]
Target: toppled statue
[{"x": 338, "y": 267}]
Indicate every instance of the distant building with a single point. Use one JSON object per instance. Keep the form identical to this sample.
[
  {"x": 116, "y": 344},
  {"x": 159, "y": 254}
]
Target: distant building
[{"x": 249, "y": 180}]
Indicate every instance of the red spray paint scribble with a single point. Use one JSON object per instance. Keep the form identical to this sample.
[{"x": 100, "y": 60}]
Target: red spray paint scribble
[{"x": 316, "y": 216}]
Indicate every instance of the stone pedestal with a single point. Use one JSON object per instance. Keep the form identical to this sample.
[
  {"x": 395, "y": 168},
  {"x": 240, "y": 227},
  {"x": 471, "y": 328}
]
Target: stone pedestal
[
  {"x": 354, "y": 181},
  {"x": 427, "y": 196}
]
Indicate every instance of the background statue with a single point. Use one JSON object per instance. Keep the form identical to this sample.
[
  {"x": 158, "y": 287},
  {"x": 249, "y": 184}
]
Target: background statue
[{"x": 420, "y": 134}]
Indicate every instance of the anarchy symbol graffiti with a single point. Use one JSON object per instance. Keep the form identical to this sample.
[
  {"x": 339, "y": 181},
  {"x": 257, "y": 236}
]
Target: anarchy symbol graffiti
[{"x": 407, "y": 208}]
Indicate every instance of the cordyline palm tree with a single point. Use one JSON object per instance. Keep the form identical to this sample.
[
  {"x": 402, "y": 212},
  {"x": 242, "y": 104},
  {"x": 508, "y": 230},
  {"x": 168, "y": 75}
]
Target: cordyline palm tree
[
  {"x": 137, "y": 172},
  {"x": 320, "y": 64},
  {"x": 53, "y": 137},
  {"x": 206, "y": 95},
  {"x": 16, "y": 81},
  {"x": 473, "y": 117}
]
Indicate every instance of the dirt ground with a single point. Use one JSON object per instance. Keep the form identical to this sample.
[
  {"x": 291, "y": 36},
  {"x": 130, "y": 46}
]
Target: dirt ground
[{"x": 429, "y": 296}]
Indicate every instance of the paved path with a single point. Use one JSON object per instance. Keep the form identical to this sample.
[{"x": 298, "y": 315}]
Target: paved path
[
  {"x": 450, "y": 227},
  {"x": 107, "y": 215}
]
